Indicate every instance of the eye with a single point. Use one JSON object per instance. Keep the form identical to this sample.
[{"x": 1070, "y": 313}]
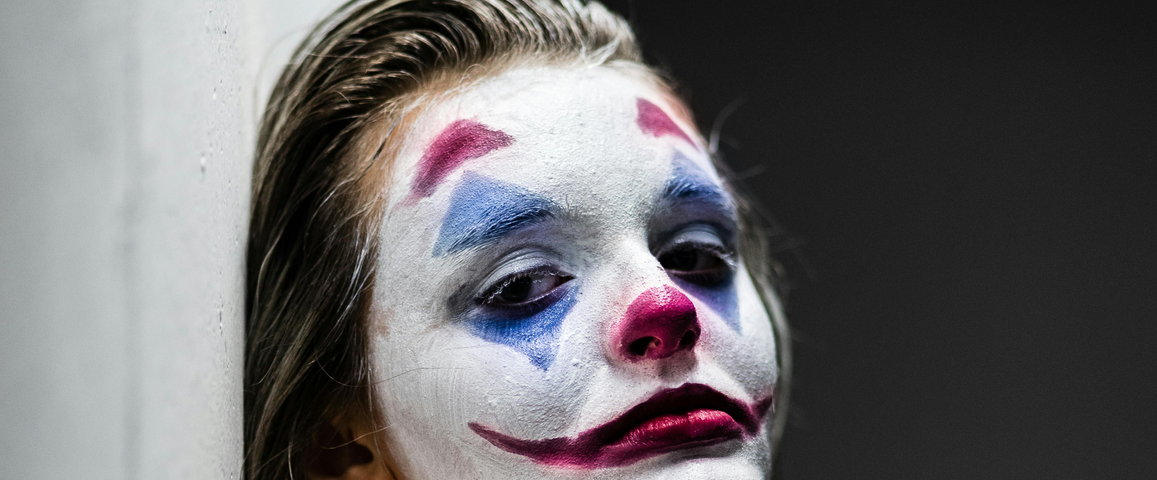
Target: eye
[
  {"x": 690, "y": 258},
  {"x": 525, "y": 289},
  {"x": 698, "y": 257}
]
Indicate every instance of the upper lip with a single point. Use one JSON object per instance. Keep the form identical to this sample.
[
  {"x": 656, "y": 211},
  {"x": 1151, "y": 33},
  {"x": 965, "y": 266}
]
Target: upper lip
[{"x": 607, "y": 445}]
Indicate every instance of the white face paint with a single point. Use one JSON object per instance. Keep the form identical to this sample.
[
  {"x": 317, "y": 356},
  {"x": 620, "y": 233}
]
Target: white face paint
[{"x": 558, "y": 294}]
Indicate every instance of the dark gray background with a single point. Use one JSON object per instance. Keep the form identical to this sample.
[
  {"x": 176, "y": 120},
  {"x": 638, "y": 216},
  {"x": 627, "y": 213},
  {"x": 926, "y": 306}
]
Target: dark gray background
[{"x": 973, "y": 189}]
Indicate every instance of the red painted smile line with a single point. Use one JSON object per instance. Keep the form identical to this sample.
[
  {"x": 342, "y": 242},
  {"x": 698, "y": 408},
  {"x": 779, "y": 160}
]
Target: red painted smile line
[{"x": 693, "y": 415}]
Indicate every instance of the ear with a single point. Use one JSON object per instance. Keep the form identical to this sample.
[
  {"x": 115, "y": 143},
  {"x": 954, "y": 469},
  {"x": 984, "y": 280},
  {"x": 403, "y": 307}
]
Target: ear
[{"x": 341, "y": 451}]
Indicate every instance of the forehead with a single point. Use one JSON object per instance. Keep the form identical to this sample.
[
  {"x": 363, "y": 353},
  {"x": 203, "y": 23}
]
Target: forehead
[{"x": 549, "y": 128}]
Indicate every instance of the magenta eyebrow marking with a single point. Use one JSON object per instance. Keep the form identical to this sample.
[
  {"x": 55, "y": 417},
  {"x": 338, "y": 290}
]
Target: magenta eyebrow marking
[
  {"x": 461, "y": 141},
  {"x": 654, "y": 121}
]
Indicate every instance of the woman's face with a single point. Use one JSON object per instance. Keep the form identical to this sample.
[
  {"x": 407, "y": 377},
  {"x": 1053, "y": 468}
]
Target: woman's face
[{"x": 559, "y": 293}]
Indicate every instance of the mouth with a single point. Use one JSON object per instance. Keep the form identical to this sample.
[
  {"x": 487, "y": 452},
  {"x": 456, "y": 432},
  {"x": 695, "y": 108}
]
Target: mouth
[{"x": 693, "y": 415}]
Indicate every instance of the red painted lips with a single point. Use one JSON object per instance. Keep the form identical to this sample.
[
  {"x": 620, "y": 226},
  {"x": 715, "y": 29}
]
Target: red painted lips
[{"x": 693, "y": 415}]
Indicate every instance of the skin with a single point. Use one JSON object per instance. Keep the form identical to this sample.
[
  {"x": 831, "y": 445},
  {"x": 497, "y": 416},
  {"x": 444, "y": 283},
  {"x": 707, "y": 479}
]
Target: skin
[{"x": 583, "y": 150}]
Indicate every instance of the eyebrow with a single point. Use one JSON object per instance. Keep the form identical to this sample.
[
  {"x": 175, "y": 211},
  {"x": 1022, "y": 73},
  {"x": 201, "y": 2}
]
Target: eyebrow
[
  {"x": 483, "y": 210},
  {"x": 689, "y": 183},
  {"x": 654, "y": 120},
  {"x": 460, "y": 141}
]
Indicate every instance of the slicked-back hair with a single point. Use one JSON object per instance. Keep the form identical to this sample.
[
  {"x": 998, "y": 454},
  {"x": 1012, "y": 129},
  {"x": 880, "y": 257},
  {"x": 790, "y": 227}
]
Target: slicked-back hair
[{"x": 319, "y": 178}]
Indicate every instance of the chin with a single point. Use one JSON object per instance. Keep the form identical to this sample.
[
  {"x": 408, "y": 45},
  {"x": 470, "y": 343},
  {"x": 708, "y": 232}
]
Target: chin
[{"x": 730, "y": 460}]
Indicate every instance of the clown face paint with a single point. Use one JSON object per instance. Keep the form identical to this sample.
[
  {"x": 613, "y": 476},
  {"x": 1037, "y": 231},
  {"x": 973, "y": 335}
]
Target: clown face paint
[{"x": 559, "y": 295}]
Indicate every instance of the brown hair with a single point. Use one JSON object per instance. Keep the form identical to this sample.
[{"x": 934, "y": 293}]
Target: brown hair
[{"x": 317, "y": 202}]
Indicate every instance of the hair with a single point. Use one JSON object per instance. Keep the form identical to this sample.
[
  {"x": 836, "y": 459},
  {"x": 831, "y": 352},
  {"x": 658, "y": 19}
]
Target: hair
[{"x": 317, "y": 202}]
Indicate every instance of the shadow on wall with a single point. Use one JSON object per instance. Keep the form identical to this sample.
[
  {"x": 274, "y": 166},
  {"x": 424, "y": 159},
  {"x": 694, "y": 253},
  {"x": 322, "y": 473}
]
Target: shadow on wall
[{"x": 127, "y": 135}]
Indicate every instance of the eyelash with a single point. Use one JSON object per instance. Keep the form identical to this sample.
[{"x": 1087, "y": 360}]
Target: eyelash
[
  {"x": 712, "y": 277},
  {"x": 531, "y": 306},
  {"x": 720, "y": 268}
]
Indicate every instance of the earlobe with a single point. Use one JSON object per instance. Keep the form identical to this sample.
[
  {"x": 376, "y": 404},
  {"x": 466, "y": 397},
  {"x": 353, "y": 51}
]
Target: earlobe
[{"x": 345, "y": 453}]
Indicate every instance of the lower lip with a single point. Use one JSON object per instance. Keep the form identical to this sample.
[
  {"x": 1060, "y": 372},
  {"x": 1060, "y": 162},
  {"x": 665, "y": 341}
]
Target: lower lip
[{"x": 671, "y": 432}]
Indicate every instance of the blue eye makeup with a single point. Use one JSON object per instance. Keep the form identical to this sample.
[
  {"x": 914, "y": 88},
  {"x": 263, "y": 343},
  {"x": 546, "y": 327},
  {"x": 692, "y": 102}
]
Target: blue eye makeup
[
  {"x": 484, "y": 210},
  {"x": 698, "y": 252},
  {"x": 700, "y": 260},
  {"x": 525, "y": 302},
  {"x": 689, "y": 183},
  {"x": 524, "y": 311}
]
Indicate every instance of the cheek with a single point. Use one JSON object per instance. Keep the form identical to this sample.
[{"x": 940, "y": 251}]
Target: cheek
[
  {"x": 410, "y": 384},
  {"x": 432, "y": 383},
  {"x": 749, "y": 351}
]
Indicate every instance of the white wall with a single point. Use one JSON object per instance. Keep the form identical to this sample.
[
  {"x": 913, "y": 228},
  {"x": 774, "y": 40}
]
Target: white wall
[{"x": 126, "y": 133}]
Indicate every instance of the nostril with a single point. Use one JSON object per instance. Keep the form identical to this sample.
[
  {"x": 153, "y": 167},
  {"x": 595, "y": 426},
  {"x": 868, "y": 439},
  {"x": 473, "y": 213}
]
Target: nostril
[
  {"x": 688, "y": 339},
  {"x": 659, "y": 323},
  {"x": 639, "y": 347}
]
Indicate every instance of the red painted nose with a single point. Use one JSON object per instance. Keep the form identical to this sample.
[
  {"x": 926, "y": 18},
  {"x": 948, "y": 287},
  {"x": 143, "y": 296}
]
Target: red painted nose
[{"x": 658, "y": 324}]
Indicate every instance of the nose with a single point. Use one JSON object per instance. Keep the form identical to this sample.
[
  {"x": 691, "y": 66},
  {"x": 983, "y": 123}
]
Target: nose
[{"x": 659, "y": 323}]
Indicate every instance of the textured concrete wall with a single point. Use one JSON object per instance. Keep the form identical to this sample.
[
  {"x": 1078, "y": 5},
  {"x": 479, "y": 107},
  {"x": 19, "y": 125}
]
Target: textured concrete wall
[{"x": 126, "y": 133}]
